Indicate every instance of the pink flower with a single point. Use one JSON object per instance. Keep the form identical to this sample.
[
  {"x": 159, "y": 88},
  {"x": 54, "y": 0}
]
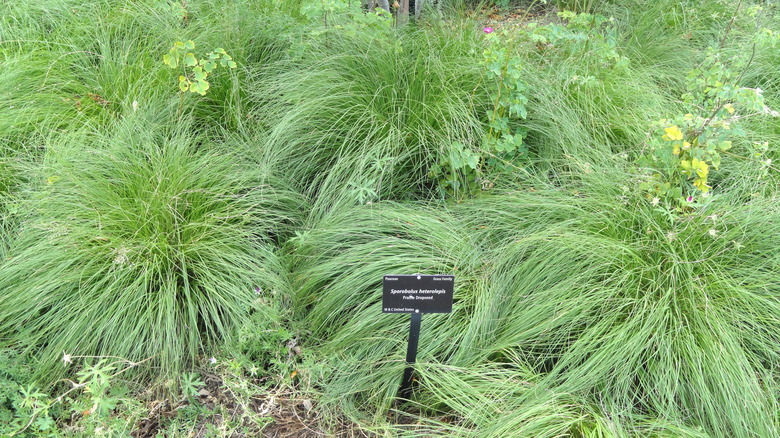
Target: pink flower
[
  {"x": 488, "y": 30},
  {"x": 690, "y": 199}
]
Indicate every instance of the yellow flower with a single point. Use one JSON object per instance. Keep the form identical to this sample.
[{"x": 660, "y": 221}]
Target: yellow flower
[
  {"x": 673, "y": 133},
  {"x": 729, "y": 107}
]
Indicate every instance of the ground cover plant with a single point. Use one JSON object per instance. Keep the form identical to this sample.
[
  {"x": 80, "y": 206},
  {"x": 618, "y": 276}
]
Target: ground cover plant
[{"x": 199, "y": 199}]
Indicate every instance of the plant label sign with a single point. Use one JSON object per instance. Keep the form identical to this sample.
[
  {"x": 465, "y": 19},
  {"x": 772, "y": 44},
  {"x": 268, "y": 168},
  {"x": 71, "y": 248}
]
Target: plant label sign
[{"x": 417, "y": 293}]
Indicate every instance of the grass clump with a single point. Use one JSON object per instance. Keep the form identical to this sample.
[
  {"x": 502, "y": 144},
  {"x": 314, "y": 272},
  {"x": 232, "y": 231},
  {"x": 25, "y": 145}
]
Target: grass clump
[
  {"x": 140, "y": 244},
  {"x": 338, "y": 266},
  {"x": 650, "y": 321},
  {"x": 645, "y": 313},
  {"x": 368, "y": 113},
  {"x": 141, "y": 223}
]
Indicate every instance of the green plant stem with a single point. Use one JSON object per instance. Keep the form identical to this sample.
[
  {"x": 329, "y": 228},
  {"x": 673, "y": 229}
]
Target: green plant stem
[
  {"x": 728, "y": 27},
  {"x": 724, "y": 102},
  {"x": 181, "y": 105}
]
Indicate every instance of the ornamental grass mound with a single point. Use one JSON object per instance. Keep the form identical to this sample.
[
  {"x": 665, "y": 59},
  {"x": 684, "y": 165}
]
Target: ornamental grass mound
[
  {"x": 141, "y": 244},
  {"x": 644, "y": 319}
]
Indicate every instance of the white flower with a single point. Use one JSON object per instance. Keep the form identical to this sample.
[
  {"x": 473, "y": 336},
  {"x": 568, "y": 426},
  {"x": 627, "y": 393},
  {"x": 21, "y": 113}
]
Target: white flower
[
  {"x": 67, "y": 358},
  {"x": 713, "y": 232},
  {"x": 121, "y": 256},
  {"x": 655, "y": 202},
  {"x": 135, "y": 105},
  {"x": 213, "y": 360}
]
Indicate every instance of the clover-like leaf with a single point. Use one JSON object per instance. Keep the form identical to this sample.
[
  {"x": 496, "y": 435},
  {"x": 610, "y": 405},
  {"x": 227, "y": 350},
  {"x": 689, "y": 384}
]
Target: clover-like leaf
[
  {"x": 172, "y": 58},
  {"x": 199, "y": 86},
  {"x": 190, "y": 60},
  {"x": 199, "y": 74},
  {"x": 472, "y": 160},
  {"x": 44, "y": 423}
]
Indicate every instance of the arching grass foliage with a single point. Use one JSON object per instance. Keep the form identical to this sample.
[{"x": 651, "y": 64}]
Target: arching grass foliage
[{"x": 142, "y": 243}]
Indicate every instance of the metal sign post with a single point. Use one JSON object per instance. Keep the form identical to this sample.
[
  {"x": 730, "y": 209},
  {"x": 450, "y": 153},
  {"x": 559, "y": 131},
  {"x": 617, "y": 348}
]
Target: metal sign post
[
  {"x": 416, "y": 294},
  {"x": 411, "y": 355}
]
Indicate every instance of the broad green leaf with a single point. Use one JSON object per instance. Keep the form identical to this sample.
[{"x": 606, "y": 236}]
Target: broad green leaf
[
  {"x": 200, "y": 87},
  {"x": 199, "y": 74},
  {"x": 189, "y": 45},
  {"x": 190, "y": 60},
  {"x": 172, "y": 58},
  {"x": 44, "y": 423},
  {"x": 184, "y": 85},
  {"x": 716, "y": 161}
]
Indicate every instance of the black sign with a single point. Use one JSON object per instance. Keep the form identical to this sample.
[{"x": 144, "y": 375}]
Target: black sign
[{"x": 417, "y": 293}]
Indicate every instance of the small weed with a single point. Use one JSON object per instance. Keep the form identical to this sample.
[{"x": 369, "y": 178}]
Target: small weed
[
  {"x": 680, "y": 159},
  {"x": 195, "y": 71}
]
